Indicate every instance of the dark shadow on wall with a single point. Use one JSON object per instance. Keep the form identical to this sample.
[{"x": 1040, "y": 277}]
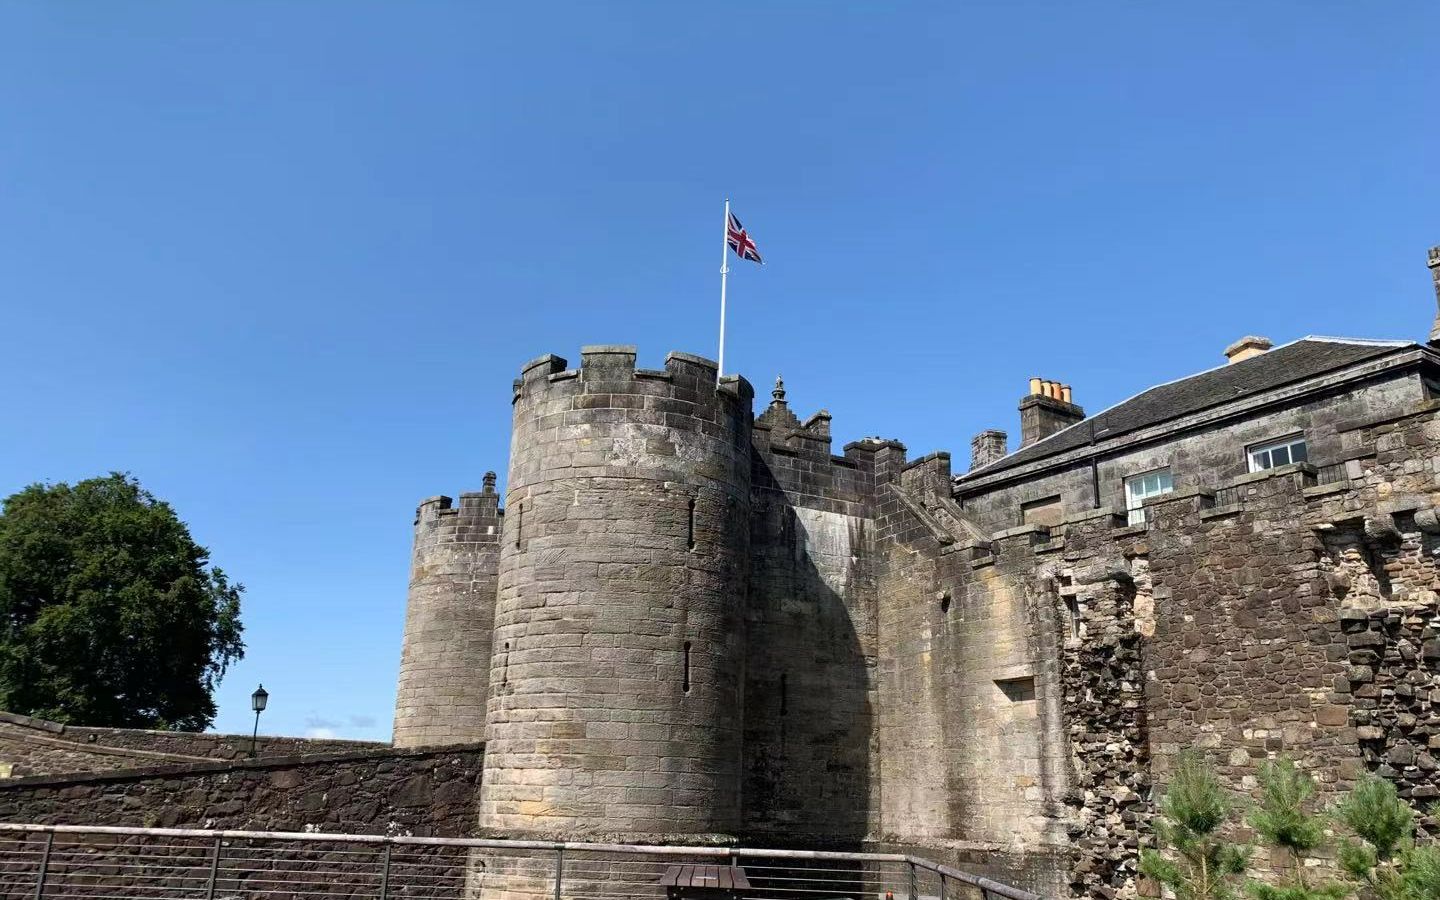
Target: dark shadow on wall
[{"x": 808, "y": 735}]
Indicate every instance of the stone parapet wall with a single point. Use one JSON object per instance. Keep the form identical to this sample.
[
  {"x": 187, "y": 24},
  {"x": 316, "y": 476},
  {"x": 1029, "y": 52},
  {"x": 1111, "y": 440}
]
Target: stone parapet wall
[
  {"x": 26, "y": 751},
  {"x": 429, "y": 792},
  {"x": 37, "y": 747}
]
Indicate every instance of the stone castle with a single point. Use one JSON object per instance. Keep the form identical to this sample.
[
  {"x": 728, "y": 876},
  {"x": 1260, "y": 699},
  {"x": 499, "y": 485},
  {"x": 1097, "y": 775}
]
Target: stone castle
[{"x": 692, "y": 622}]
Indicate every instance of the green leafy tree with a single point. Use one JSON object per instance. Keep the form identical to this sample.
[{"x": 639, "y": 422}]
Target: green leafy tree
[
  {"x": 1194, "y": 861},
  {"x": 110, "y": 613},
  {"x": 1386, "y": 861},
  {"x": 1284, "y": 822}
]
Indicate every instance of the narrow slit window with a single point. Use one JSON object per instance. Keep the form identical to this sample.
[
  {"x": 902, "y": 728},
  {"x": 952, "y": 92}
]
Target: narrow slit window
[
  {"x": 685, "y": 676},
  {"x": 691, "y": 538},
  {"x": 519, "y": 522},
  {"x": 784, "y": 694},
  {"x": 1072, "y": 606},
  {"x": 505, "y": 666}
]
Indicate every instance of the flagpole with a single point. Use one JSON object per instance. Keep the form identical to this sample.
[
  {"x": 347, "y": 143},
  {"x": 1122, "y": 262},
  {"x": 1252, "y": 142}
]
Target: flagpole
[{"x": 724, "y": 271}]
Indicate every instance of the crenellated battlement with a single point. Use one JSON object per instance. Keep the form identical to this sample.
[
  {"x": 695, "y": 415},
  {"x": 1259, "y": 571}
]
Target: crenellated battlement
[
  {"x": 481, "y": 504},
  {"x": 611, "y": 368}
]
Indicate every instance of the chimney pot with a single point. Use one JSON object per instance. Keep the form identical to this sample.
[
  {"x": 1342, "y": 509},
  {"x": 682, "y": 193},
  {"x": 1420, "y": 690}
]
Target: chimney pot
[
  {"x": 1248, "y": 346},
  {"x": 1044, "y": 412},
  {"x": 1034, "y": 386}
]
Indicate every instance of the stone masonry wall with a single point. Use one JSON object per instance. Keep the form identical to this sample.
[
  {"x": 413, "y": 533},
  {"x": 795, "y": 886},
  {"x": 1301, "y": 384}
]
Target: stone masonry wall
[
  {"x": 616, "y": 703},
  {"x": 422, "y": 792},
  {"x": 1270, "y": 615},
  {"x": 810, "y": 747},
  {"x": 1246, "y": 647},
  {"x": 449, "y": 618},
  {"x": 1267, "y": 615},
  {"x": 972, "y": 749}
]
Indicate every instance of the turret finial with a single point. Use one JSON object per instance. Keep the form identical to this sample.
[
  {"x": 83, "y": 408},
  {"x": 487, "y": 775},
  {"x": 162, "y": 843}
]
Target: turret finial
[
  {"x": 779, "y": 392},
  {"x": 1434, "y": 263}
]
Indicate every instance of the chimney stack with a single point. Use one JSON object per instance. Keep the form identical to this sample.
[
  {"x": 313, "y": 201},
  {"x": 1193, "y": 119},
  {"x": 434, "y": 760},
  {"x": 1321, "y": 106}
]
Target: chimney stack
[
  {"x": 1047, "y": 409},
  {"x": 988, "y": 446},
  {"x": 1248, "y": 346},
  {"x": 1434, "y": 263}
]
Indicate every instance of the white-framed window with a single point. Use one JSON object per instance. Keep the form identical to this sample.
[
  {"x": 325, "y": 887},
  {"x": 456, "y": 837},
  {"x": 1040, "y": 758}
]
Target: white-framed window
[
  {"x": 1139, "y": 488},
  {"x": 1277, "y": 453}
]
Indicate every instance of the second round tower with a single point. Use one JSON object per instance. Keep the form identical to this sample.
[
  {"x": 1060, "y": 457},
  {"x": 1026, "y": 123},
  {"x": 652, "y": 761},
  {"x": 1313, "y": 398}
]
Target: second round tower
[{"x": 615, "y": 681}]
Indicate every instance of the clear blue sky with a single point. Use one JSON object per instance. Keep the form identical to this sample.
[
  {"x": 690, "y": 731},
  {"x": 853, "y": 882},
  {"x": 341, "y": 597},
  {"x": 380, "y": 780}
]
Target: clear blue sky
[{"x": 282, "y": 260}]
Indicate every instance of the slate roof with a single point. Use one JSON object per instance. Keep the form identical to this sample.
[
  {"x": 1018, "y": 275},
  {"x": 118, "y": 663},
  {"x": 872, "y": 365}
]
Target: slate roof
[{"x": 1296, "y": 361}]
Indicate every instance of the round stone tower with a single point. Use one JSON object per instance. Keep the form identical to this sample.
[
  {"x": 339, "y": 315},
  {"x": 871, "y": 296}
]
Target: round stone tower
[
  {"x": 616, "y": 671},
  {"x": 445, "y": 657}
]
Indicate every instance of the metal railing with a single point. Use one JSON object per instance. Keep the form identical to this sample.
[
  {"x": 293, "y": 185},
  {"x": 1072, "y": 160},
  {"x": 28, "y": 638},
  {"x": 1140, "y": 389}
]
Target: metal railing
[{"x": 58, "y": 862}]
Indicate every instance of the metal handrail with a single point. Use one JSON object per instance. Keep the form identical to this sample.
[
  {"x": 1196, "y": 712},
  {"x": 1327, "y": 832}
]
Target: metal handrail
[
  {"x": 989, "y": 887},
  {"x": 480, "y": 843},
  {"x": 985, "y": 884}
]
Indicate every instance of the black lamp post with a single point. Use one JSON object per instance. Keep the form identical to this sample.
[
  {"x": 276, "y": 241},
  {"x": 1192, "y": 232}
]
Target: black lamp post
[{"x": 257, "y": 703}]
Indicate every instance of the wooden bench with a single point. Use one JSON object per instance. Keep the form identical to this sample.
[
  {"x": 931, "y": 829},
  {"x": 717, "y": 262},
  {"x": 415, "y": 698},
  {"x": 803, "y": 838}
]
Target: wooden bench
[{"x": 703, "y": 882}]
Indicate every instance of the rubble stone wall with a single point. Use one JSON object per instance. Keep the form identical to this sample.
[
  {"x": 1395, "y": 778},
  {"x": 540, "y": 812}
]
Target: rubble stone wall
[
  {"x": 1394, "y": 660},
  {"x": 428, "y": 792}
]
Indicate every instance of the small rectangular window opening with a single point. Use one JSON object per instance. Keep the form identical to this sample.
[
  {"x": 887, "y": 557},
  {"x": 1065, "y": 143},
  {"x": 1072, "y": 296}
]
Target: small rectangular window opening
[
  {"x": 1072, "y": 605},
  {"x": 1017, "y": 689},
  {"x": 1139, "y": 488},
  {"x": 691, "y": 538},
  {"x": 685, "y": 678},
  {"x": 1277, "y": 453}
]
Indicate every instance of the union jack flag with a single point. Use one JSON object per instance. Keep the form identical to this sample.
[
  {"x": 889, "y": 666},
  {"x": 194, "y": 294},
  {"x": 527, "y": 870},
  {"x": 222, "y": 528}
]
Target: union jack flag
[{"x": 739, "y": 241}]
